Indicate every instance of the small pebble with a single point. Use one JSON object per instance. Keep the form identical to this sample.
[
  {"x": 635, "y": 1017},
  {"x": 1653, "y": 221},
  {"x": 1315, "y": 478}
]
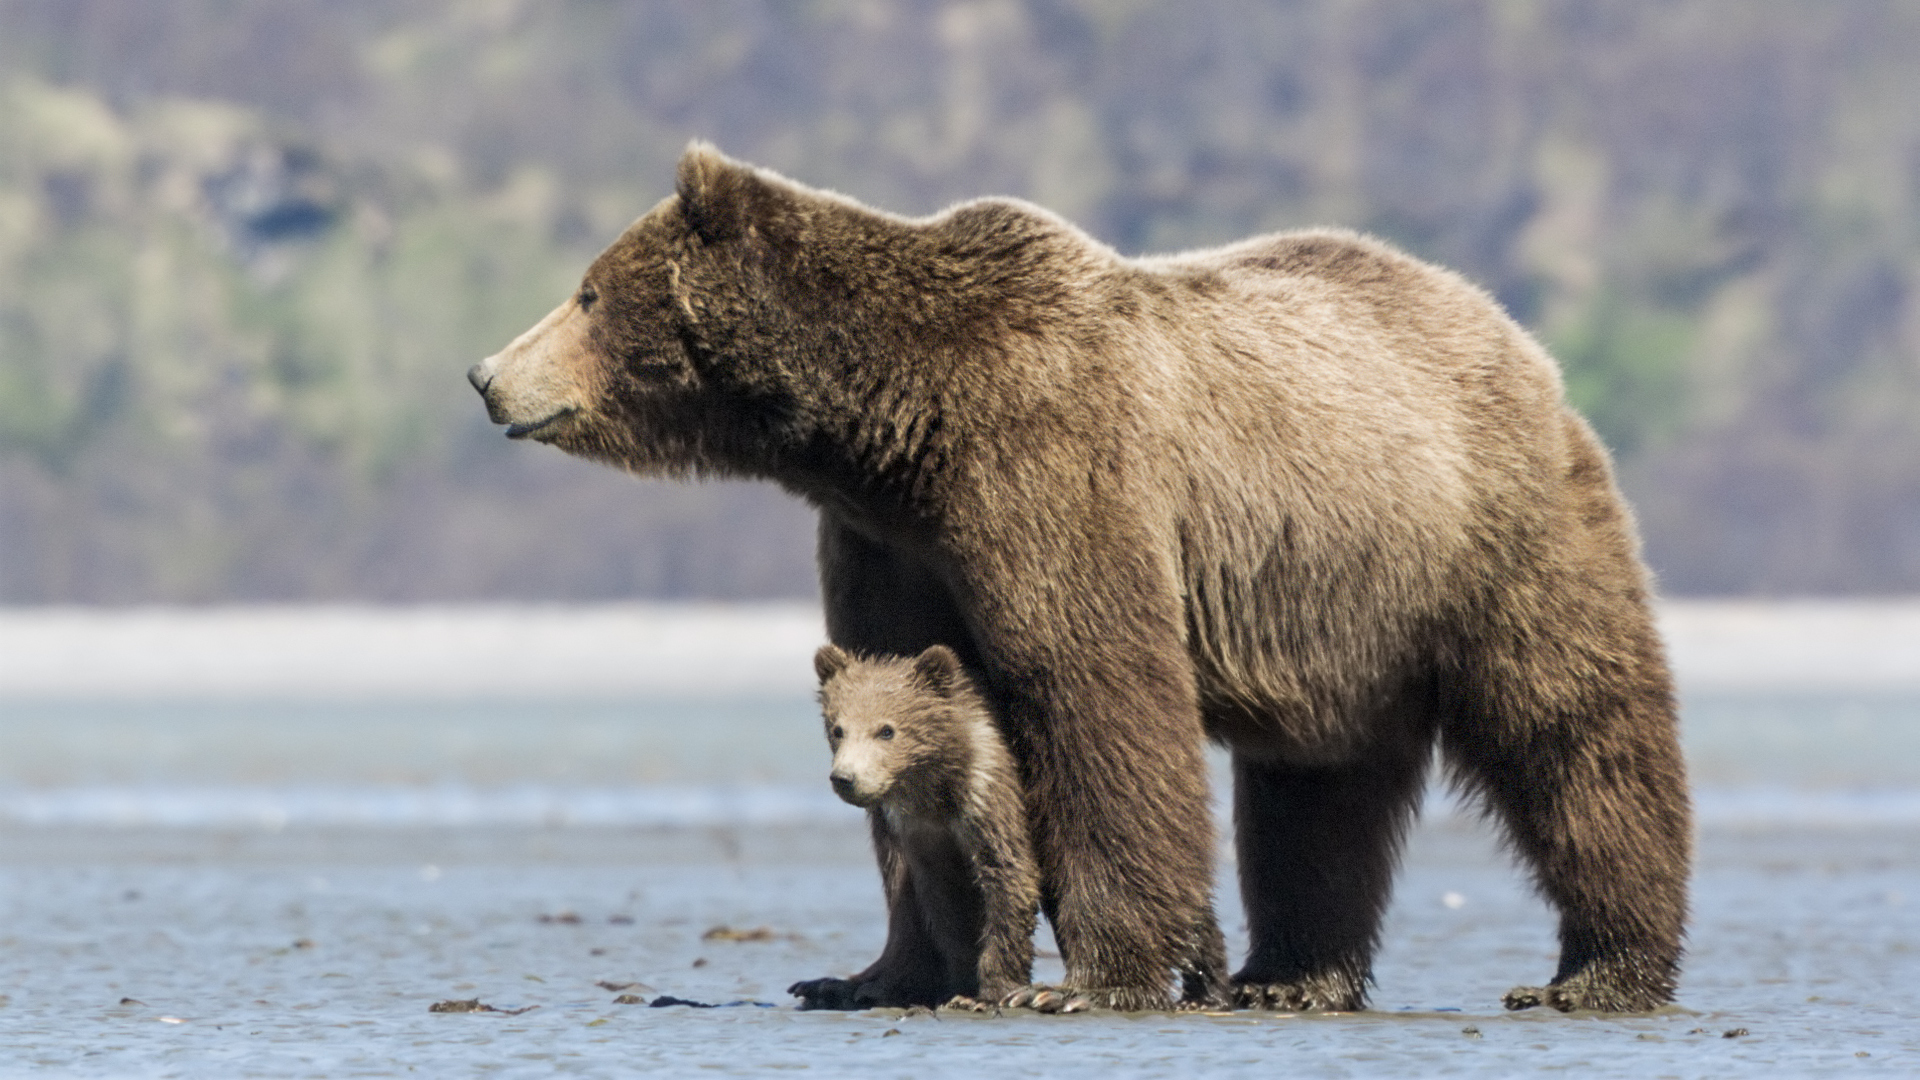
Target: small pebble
[
  {"x": 1733, "y": 1033},
  {"x": 889, "y": 1033},
  {"x": 729, "y": 933},
  {"x": 1470, "y": 1032}
]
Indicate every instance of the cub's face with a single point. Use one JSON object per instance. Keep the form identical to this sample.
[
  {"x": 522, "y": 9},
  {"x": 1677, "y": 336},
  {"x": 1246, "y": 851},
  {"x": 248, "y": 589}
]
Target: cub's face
[{"x": 891, "y": 726}]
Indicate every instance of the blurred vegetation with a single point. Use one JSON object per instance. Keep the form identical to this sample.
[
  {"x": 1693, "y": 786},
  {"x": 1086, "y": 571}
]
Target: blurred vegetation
[{"x": 247, "y": 249}]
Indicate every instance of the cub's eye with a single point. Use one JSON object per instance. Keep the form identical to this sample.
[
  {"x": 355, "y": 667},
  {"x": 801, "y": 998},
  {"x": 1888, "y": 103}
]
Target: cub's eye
[
  {"x": 586, "y": 297},
  {"x": 885, "y": 732},
  {"x": 839, "y": 732}
]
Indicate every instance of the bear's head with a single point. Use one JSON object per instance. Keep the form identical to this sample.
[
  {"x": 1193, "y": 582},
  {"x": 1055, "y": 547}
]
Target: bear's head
[
  {"x": 748, "y": 325},
  {"x": 677, "y": 352},
  {"x": 901, "y": 728}
]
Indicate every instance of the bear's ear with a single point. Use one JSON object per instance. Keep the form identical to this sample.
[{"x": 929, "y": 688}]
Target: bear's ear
[
  {"x": 938, "y": 668},
  {"x": 724, "y": 200},
  {"x": 829, "y": 661}
]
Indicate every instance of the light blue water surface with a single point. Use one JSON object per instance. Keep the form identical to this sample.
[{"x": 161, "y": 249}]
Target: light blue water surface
[{"x": 681, "y": 761}]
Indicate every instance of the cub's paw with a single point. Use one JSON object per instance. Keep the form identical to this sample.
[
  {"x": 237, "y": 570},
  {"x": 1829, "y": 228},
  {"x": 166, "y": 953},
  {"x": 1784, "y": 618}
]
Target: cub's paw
[
  {"x": 1072, "y": 999},
  {"x": 842, "y": 994},
  {"x": 1322, "y": 993}
]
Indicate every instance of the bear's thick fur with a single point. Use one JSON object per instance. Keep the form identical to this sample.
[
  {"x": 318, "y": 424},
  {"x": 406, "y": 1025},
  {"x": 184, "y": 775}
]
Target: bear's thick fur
[
  {"x": 1303, "y": 495},
  {"x": 916, "y": 744}
]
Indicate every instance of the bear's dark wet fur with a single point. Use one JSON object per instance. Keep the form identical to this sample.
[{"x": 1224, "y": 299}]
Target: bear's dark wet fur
[{"x": 1304, "y": 495}]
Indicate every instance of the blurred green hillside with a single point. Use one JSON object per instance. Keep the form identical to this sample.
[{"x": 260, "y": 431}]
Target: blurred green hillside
[{"x": 248, "y": 248}]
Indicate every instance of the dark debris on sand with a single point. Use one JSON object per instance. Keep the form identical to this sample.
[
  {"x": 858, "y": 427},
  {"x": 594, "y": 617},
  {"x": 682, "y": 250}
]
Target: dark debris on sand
[
  {"x": 475, "y": 1005},
  {"x": 733, "y": 933},
  {"x": 668, "y": 1000}
]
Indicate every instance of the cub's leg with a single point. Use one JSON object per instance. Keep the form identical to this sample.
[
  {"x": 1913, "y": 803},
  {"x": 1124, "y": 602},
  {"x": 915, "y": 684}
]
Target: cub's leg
[
  {"x": 1317, "y": 852},
  {"x": 910, "y": 970}
]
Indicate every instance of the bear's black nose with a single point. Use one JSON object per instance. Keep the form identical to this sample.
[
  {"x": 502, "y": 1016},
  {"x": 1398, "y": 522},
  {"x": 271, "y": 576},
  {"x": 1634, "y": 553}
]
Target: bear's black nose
[
  {"x": 478, "y": 377},
  {"x": 842, "y": 785}
]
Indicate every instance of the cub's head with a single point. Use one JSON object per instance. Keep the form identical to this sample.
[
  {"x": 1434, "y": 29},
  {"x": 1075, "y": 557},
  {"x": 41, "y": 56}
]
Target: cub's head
[
  {"x": 667, "y": 356},
  {"x": 901, "y": 728}
]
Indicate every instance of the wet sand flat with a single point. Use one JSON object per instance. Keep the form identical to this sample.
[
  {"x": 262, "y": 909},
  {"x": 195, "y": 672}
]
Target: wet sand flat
[
  {"x": 265, "y": 843},
  {"x": 319, "y": 952}
]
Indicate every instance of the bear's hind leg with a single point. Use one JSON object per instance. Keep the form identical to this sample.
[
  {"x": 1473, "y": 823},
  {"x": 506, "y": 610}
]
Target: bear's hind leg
[
  {"x": 1317, "y": 849},
  {"x": 1579, "y": 758}
]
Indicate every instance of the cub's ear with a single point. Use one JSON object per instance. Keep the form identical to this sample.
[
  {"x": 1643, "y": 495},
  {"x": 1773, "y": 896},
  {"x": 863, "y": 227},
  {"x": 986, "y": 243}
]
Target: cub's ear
[
  {"x": 829, "y": 661},
  {"x": 724, "y": 200},
  {"x": 938, "y": 668}
]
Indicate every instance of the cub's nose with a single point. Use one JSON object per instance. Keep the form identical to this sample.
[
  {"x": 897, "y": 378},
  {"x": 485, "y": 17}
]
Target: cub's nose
[
  {"x": 842, "y": 786},
  {"x": 477, "y": 375}
]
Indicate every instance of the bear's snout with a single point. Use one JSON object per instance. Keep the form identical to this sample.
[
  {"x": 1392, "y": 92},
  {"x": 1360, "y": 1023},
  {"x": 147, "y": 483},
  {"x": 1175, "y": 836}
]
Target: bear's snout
[
  {"x": 843, "y": 786},
  {"x": 477, "y": 375}
]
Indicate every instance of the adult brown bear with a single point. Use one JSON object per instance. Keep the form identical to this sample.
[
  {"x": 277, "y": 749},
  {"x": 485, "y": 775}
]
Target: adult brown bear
[{"x": 1303, "y": 495}]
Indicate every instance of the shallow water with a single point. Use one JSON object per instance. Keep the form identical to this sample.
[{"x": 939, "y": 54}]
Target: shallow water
[{"x": 284, "y": 887}]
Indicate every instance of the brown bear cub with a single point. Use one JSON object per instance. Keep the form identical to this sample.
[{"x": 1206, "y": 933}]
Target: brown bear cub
[{"x": 916, "y": 744}]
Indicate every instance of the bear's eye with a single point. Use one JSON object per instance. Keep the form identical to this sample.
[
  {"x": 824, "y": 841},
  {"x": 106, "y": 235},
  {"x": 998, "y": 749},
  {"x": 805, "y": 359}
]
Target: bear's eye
[
  {"x": 885, "y": 732},
  {"x": 586, "y": 298},
  {"x": 839, "y": 732}
]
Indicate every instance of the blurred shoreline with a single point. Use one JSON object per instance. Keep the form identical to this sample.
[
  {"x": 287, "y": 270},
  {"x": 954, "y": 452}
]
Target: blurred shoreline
[
  {"x": 699, "y": 717},
  {"x": 455, "y": 651}
]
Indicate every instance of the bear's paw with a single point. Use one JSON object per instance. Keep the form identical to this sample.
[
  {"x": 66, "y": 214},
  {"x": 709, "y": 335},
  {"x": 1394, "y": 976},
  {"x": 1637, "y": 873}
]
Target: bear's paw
[
  {"x": 1614, "y": 985},
  {"x": 1327, "y": 992},
  {"x": 1073, "y": 999}
]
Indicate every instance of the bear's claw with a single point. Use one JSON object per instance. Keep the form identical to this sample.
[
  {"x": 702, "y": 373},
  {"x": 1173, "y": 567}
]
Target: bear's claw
[
  {"x": 1323, "y": 994},
  {"x": 1577, "y": 996},
  {"x": 1073, "y": 999}
]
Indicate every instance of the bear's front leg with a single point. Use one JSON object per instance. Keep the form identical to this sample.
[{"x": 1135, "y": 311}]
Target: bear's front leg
[{"x": 1110, "y": 738}]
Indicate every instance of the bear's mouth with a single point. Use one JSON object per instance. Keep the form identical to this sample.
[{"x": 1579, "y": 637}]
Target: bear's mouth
[{"x": 522, "y": 431}]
